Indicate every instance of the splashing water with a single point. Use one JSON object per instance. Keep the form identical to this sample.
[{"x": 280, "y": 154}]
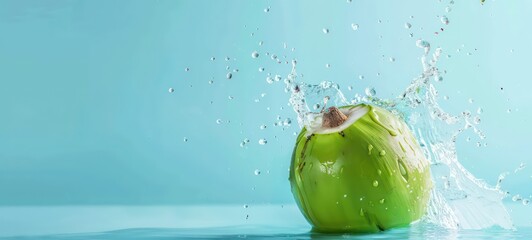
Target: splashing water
[{"x": 458, "y": 199}]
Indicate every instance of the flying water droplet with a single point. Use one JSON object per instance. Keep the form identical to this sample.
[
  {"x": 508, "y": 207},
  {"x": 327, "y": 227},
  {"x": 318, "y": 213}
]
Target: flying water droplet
[
  {"x": 170, "y": 90},
  {"x": 257, "y": 172},
  {"x": 354, "y": 26},
  {"x": 263, "y": 141},
  {"x": 516, "y": 198},
  {"x": 229, "y": 75},
  {"x": 254, "y": 54},
  {"x": 444, "y": 20},
  {"x": 408, "y": 25},
  {"x": 370, "y": 92},
  {"x": 185, "y": 139},
  {"x": 219, "y": 121},
  {"x": 476, "y": 120},
  {"x": 521, "y": 167},
  {"x": 325, "y": 30}
]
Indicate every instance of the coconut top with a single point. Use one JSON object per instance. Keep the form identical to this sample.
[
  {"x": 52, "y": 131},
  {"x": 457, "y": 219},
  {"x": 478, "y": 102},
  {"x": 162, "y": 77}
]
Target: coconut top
[{"x": 336, "y": 119}]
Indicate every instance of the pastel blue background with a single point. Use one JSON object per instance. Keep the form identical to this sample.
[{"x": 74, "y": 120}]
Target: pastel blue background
[{"x": 86, "y": 116}]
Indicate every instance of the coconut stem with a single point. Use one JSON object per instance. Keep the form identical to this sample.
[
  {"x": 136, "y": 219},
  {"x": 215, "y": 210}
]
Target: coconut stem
[{"x": 333, "y": 118}]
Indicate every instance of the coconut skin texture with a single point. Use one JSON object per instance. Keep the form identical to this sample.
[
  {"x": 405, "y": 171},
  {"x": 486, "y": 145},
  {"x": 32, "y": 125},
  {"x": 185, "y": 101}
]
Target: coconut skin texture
[{"x": 369, "y": 177}]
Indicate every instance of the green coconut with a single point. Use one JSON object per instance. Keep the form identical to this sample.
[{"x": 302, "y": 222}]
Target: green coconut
[{"x": 361, "y": 170}]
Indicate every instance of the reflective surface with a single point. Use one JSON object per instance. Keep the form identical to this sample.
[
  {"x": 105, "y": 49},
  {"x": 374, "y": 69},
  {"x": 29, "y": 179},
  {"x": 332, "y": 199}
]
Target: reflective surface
[{"x": 208, "y": 222}]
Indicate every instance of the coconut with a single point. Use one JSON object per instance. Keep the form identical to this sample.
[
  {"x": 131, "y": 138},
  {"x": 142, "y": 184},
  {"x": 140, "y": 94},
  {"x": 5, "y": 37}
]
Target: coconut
[{"x": 360, "y": 170}]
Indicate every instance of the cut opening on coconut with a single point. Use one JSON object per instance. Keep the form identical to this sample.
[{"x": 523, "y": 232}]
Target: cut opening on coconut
[{"x": 335, "y": 119}]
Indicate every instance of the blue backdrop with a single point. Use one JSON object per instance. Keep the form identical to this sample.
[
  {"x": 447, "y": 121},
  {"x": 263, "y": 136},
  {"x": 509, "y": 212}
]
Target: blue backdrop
[{"x": 87, "y": 116}]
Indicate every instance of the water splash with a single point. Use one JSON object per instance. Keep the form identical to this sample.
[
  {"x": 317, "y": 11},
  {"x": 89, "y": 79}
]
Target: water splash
[{"x": 459, "y": 200}]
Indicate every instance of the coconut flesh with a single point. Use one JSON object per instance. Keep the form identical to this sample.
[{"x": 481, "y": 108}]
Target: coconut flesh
[
  {"x": 336, "y": 119},
  {"x": 359, "y": 169}
]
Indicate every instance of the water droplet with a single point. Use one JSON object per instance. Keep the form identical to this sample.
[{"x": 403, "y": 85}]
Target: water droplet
[
  {"x": 509, "y": 110},
  {"x": 229, "y": 75},
  {"x": 444, "y": 20},
  {"x": 327, "y": 65},
  {"x": 375, "y": 183},
  {"x": 277, "y": 78},
  {"x": 227, "y": 58},
  {"x": 274, "y": 57},
  {"x": 266, "y": 10},
  {"x": 445, "y": 97},
  {"x": 361, "y": 212},
  {"x": 170, "y": 90},
  {"x": 254, "y": 54},
  {"x": 521, "y": 167},
  {"x": 379, "y": 172},
  {"x": 257, "y": 172},
  {"x": 262, "y": 141},
  {"x": 211, "y": 82},
  {"x": 262, "y": 127},
  {"x": 526, "y": 201},
  {"x": 360, "y": 77},
  {"x": 480, "y": 110},
  {"x": 476, "y": 120},
  {"x": 213, "y": 58},
  {"x": 345, "y": 195},
  {"x": 370, "y": 147},
  {"x": 471, "y": 100},
  {"x": 382, "y": 201},
  {"x": 354, "y": 26},
  {"x": 382, "y": 152},
  {"x": 185, "y": 139},
  {"x": 420, "y": 43},
  {"x": 408, "y": 25},
  {"x": 260, "y": 43},
  {"x": 246, "y": 206},
  {"x": 448, "y": 9},
  {"x": 479, "y": 144},
  {"x": 325, "y": 30},
  {"x": 392, "y": 59},
  {"x": 370, "y": 92},
  {"x": 269, "y": 80},
  {"x": 219, "y": 121},
  {"x": 516, "y": 198},
  {"x": 261, "y": 69}
]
